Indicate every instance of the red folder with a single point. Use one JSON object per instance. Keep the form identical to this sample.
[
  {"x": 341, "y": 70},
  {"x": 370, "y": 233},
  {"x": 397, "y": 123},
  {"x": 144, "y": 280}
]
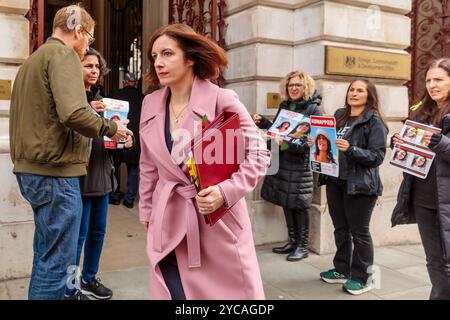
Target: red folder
[{"x": 217, "y": 162}]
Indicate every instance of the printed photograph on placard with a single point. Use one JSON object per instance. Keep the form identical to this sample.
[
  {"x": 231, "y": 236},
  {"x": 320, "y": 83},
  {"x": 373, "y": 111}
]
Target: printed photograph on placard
[
  {"x": 413, "y": 133},
  {"x": 291, "y": 126},
  {"x": 115, "y": 110},
  {"x": 412, "y": 160},
  {"x": 324, "y": 152}
]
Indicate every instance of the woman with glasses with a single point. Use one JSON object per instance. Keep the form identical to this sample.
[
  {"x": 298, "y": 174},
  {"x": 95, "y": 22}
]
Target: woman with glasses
[{"x": 292, "y": 186}]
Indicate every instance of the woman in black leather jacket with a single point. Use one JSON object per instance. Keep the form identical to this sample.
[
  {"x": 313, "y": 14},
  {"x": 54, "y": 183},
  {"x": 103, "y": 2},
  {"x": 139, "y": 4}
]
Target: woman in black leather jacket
[
  {"x": 292, "y": 186},
  {"x": 361, "y": 141}
]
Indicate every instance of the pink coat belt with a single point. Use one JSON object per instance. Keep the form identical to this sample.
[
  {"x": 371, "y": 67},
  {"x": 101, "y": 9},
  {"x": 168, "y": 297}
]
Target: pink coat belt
[{"x": 192, "y": 234}]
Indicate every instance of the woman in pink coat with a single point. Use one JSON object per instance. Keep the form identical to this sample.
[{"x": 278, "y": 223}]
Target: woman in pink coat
[{"x": 188, "y": 258}]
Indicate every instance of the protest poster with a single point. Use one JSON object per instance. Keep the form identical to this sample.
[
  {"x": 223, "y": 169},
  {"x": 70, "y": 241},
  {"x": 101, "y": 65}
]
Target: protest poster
[
  {"x": 115, "y": 110},
  {"x": 290, "y": 126},
  {"x": 413, "y": 157},
  {"x": 413, "y": 132},
  {"x": 412, "y": 160},
  {"x": 324, "y": 152}
]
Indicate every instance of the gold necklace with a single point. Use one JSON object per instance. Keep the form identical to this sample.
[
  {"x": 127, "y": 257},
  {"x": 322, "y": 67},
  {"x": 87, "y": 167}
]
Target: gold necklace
[{"x": 180, "y": 114}]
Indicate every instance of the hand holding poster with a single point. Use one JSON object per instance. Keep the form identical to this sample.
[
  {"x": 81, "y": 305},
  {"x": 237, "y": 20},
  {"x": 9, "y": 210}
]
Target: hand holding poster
[
  {"x": 323, "y": 153},
  {"x": 413, "y": 157},
  {"x": 290, "y": 126},
  {"x": 413, "y": 132},
  {"x": 115, "y": 110}
]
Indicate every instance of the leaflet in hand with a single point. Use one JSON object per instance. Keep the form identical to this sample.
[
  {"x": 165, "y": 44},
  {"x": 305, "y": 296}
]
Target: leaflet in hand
[
  {"x": 290, "y": 126},
  {"x": 115, "y": 110},
  {"x": 324, "y": 152},
  {"x": 413, "y": 157}
]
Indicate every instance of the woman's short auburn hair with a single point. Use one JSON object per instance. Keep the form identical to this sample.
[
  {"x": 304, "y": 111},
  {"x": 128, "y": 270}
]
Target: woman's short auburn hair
[
  {"x": 209, "y": 59},
  {"x": 304, "y": 77}
]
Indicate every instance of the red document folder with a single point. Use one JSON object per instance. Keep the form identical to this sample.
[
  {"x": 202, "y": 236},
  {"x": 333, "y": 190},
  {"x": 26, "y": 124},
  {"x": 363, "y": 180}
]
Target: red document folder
[{"x": 217, "y": 162}]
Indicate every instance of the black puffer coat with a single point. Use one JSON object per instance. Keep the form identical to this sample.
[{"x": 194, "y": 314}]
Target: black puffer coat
[
  {"x": 367, "y": 138},
  {"x": 99, "y": 180},
  {"x": 292, "y": 186},
  {"x": 403, "y": 212}
]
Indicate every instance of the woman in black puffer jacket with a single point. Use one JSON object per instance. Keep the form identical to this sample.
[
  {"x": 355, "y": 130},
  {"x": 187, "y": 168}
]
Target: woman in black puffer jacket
[{"x": 292, "y": 186}]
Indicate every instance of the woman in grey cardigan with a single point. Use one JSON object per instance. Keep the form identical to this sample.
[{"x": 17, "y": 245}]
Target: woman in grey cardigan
[{"x": 427, "y": 201}]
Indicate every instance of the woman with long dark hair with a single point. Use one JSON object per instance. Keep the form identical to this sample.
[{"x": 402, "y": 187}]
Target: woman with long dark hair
[
  {"x": 361, "y": 141},
  {"x": 324, "y": 150},
  {"x": 426, "y": 201}
]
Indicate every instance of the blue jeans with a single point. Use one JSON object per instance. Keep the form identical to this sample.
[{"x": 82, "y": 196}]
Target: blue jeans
[
  {"x": 92, "y": 235},
  {"x": 57, "y": 208},
  {"x": 132, "y": 182}
]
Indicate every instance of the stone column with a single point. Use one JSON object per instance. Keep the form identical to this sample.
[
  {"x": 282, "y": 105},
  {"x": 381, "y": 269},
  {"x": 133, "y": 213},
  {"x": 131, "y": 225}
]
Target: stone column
[
  {"x": 267, "y": 39},
  {"x": 16, "y": 218},
  {"x": 155, "y": 14}
]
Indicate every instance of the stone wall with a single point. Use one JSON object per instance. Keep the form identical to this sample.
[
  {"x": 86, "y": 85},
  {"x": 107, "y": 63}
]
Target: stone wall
[
  {"x": 16, "y": 218},
  {"x": 267, "y": 39}
]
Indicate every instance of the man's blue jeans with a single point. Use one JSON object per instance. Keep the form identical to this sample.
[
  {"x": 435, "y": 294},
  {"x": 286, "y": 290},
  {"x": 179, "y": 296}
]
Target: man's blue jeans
[{"x": 57, "y": 208}]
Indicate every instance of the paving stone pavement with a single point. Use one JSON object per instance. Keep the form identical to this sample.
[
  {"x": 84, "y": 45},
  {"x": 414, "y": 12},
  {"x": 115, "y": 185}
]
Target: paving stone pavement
[{"x": 123, "y": 268}]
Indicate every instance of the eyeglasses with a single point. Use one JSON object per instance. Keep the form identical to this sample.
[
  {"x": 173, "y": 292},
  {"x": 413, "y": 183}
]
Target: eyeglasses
[
  {"x": 295, "y": 85},
  {"x": 91, "y": 39}
]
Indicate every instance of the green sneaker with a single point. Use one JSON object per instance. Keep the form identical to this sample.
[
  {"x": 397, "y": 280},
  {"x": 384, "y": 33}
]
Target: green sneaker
[
  {"x": 332, "y": 276},
  {"x": 355, "y": 287}
]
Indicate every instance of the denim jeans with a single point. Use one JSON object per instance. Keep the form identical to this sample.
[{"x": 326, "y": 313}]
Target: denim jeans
[
  {"x": 132, "y": 182},
  {"x": 92, "y": 235},
  {"x": 57, "y": 208}
]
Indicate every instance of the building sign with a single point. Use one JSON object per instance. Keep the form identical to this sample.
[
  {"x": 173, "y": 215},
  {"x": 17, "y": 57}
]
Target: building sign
[
  {"x": 273, "y": 100},
  {"x": 5, "y": 89},
  {"x": 367, "y": 63}
]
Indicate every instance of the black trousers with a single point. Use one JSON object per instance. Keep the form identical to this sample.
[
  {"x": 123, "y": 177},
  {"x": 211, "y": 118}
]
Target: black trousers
[
  {"x": 438, "y": 267},
  {"x": 351, "y": 218},
  {"x": 171, "y": 275}
]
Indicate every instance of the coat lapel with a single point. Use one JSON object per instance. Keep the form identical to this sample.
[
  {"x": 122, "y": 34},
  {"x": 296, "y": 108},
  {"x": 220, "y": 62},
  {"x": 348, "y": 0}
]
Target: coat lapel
[
  {"x": 202, "y": 102},
  {"x": 156, "y": 134}
]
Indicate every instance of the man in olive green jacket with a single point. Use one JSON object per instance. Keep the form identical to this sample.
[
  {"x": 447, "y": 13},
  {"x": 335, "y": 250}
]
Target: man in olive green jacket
[{"x": 50, "y": 122}]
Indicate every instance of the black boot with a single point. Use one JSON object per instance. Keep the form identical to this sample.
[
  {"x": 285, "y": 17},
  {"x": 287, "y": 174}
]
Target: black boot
[
  {"x": 288, "y": 247},
  {"x": 301, "y": 224}
]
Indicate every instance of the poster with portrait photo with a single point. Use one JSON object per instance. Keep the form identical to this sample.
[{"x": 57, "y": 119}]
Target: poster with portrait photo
[
  {"x": 115, "y": 110},
  {"x": 413, "y": 132},
  {"x": 290, "y": 126},
  {"x": 324, "y": 152},
  {"x": 412, "y": 160}
]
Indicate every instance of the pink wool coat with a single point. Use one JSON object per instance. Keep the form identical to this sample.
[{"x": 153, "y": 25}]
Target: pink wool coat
[{"x": 216, "y": 262}]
